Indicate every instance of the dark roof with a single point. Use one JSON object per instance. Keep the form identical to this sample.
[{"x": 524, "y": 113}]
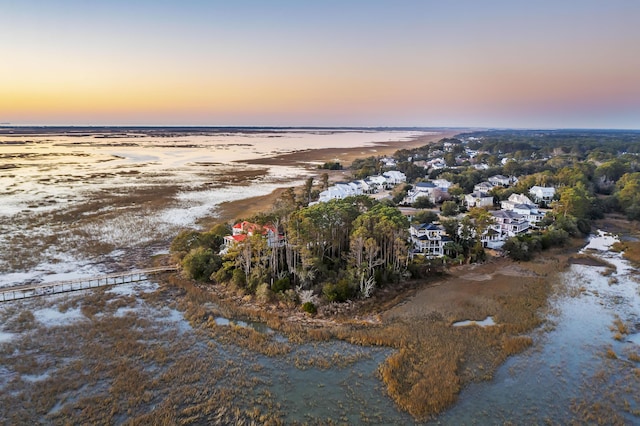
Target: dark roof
[
  {"x": 507, "y": 214},
  {"x": 430, "y": 227}
]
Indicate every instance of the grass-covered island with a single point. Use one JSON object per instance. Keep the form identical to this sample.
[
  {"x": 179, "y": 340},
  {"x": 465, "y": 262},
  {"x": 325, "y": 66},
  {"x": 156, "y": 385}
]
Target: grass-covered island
[{"x": 396, "y": 262}]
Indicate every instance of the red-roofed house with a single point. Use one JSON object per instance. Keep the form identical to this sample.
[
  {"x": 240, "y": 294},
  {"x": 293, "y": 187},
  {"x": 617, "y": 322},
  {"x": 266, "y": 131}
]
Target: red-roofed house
[{"x": 242, "y": 230}]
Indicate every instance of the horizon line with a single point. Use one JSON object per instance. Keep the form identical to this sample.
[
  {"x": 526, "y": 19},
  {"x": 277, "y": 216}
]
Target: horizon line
[{"x": 5, "y": 126}]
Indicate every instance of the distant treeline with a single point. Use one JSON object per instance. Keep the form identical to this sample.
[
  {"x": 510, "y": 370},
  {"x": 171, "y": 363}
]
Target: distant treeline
[{"x": 548, "y": 141}]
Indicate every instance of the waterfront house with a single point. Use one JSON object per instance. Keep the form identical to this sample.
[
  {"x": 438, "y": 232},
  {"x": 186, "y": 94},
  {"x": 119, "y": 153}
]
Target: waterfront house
[
  {"x": 510, "y": 222},
  {"x": 378, "y": 182},
  {"x": 241, "y": 230},
  {"x": 428, "y": 239},
  {"x": 542, "y": 194}
]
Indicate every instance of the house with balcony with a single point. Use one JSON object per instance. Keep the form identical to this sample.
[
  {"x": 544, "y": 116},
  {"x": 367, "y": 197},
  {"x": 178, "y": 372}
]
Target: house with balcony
[
  {"x": 428, "y": 239},
  {"x": 443, "y": 184},
  {"x": 378, "y": 182},
  {"x": 395, "y": 177},
  {"x": 509, "y": 222},
  {"x": 493, "y": 238},
  {"x": 521, "y": 204},
  {"x": 514, "y": 200},
  {"x": 332, "y": 193},
  {"x": 542, "y": 194}
]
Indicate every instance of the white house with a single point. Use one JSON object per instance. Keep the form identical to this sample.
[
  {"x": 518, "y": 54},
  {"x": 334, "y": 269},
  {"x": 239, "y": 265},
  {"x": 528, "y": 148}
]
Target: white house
[
  {"x": 395, "y": 177},
  {"x": 530, "y": 212},
  {"x": 388, "y": 162},
  {"x": 428, "y": 239},
  {"x": 424, "y": 189},
  {"x": 483, "y": 187},
  {"x": 478, "y": 199},
  {"x": 493, "y": 238},
  {"x": 378, "y": 181},
  {"x": 515, "y": 199},
  {"x": 505, "y": 160},
  {"x": 331, "y": 193},
  {"x": 509, "y": 222},
  {"x": 437, "y": 163},
  {"x": 365, "y": 187},
  {"x": 500, "y": 180},
  {"x": 542, "y": 194},
  {"x": 443, "y": 184}
]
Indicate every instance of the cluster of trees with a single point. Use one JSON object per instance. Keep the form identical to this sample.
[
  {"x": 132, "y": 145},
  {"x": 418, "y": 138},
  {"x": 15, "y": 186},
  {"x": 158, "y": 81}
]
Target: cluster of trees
[
  {"x": 331, "y": 165},
  {"x": 341, "y": 249}
]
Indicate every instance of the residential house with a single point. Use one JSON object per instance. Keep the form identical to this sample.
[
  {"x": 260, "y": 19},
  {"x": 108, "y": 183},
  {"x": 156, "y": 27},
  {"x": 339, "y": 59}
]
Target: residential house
[
  {"x": 515, "y": 199},
  {"x": 493, "y": 238},
  {"x": 424, "y": 189},
  {"x": 428, "y": 239},
  {"x": 437, "y": 164},
  {"x": 478, "y": 199},
  {"x": 505, "y": 160},
  {"x": 332, "y": 193},
  {"x": 443, "y": 184},
  {"x": 500, "y": 180},
  {"x": 483, "y": 187},
  {"x": 509, "y": 222},
  {"x": 378, "y": 182},
  {"x": 395, "y": 177},
  {"x": 240, "y": 231},
  {"x": 351, "y": 188},
  {"x": 542, "y": 194},
  {"x": 365, "y": 186},
  {"x": 388, "y": 162}
]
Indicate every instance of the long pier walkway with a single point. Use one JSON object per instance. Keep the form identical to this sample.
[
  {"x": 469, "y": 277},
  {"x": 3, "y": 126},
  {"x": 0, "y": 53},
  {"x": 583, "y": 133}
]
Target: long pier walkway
[{"x": 42, "y": 289}]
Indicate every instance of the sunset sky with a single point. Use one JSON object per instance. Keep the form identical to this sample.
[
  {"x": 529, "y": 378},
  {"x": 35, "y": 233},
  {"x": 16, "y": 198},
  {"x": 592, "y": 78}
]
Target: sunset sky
[{"x": 510, "y": 63}]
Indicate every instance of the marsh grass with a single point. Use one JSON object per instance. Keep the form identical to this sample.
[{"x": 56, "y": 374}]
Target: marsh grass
[
  {"x": 141, "y": 372},
  {"x": 630, "y": 251},
  {"x": 619, "y": 326},
  {"x": 433, "y": 361},
  {"x": 131, "y": 368},
  {"x": 612, "y": 395}
]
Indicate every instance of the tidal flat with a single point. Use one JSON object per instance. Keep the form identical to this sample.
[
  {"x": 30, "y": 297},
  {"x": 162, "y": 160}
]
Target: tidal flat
[{"x": 564, "y": 343}]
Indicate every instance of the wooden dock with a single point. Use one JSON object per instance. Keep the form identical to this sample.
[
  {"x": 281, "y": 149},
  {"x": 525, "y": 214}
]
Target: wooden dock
[{"x": 43, "y": 289}]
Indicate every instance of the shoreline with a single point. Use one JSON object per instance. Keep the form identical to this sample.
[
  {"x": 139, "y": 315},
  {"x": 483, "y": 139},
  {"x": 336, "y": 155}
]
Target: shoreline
[
  {"x": 233, "y": 210},
  {"x": 347, "y": 155}
]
